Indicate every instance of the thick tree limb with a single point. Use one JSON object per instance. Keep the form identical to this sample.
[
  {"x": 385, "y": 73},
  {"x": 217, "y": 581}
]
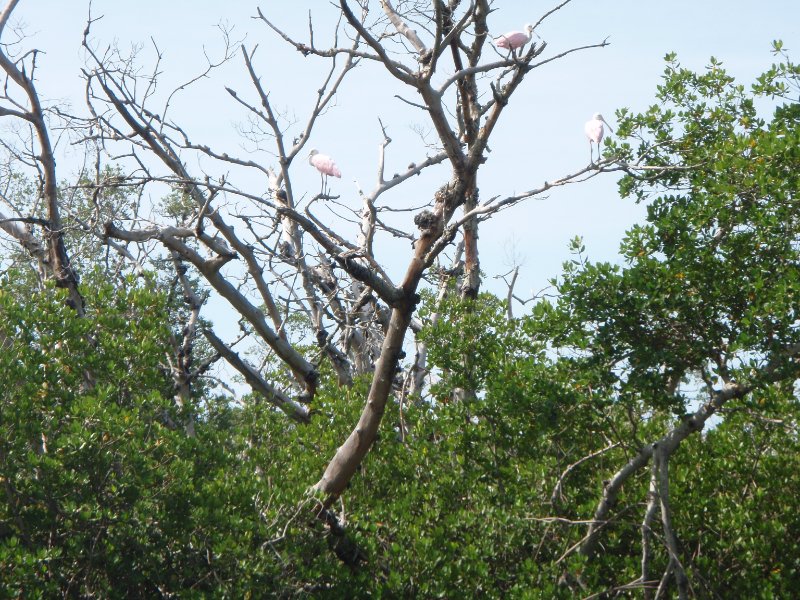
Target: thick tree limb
[
  {"x": 181, "y": 364},
  {"x": 351, "y": 453},
  {"x": 404, "y": 29},
  {"x": 647, "y": 531},
  {"x": 397, "y": 69},
  {"x": 661, "y": 465},
  {"x": 170, "y": 237},
  {"x": 669, "y": 442},
  {"x": 58, "y": 264},
  {"x": 16, "y": 229},
  {"x": 295, "y": 410}
]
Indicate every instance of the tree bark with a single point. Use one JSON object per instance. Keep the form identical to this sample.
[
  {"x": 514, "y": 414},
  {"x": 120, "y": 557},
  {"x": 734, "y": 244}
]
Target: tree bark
[{"x": 351, "y": 453}]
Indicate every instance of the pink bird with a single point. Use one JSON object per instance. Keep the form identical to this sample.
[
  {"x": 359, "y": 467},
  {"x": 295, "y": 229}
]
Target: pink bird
[
  {"x": 514, "y": 39},
  {"x": 325, "y": 165},
  {"x": 594, "y": 131}
]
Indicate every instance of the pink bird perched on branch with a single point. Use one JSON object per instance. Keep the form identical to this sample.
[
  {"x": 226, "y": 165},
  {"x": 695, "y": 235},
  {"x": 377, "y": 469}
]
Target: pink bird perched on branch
[
  {"x": 594, "y": 131},
  {"x": 514, "y": 39},
  {"x": 325, "y": 165}
]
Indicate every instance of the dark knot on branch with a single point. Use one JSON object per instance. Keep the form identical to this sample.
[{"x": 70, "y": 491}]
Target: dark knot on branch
[
  {"x": 426, "y": 221},
  {"x": 286, "y": 250}
]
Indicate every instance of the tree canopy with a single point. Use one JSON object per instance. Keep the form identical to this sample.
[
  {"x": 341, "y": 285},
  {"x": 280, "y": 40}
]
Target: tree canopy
[{"x": 633, "y": 434}]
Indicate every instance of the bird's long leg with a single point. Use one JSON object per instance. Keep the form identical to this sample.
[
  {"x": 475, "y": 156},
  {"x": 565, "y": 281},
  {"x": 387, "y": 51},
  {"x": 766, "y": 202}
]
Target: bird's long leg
[{"x": 591, "y": 153}]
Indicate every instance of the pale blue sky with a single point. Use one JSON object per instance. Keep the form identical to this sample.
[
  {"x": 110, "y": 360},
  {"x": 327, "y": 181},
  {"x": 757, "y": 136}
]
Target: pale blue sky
[{"x": 540, "y": 137}]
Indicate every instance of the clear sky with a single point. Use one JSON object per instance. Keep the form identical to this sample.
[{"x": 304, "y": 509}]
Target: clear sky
[{"x": 540, "y": 137}]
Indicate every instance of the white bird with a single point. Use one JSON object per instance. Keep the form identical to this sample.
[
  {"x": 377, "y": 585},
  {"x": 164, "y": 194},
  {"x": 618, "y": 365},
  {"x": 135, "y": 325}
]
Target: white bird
[
  {"x": 324, "y": 164},
  {"x": 594, "y": 131},
  {"x": 514, "y": 39}
]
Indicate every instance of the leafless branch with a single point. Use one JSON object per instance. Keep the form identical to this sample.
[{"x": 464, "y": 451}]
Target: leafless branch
[{"x": 557, "y": 493}]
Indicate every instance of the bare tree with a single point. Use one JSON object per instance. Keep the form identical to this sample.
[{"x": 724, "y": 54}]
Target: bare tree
[
  {"x": 278, "y": 259},
  {"x": 20, "y": 101},
  {"x": 269, "y": 255}
]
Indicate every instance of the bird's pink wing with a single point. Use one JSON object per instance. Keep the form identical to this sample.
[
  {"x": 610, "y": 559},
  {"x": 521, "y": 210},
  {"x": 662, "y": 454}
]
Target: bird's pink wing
[
  {"x": 326, "y": 165},
  {"x": 512, "y": 40},
  {"x": 516, "y": 39}
]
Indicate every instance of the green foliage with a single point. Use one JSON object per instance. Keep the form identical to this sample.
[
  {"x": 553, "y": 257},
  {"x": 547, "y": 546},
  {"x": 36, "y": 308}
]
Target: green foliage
[
  {"x": 101, "y": 496},
  {"x": 83, "y": 204},
  {"x": 735, "y": 495},
  {"x": 481, "y": 496},
  {"x": 709, "y": 293},
  {"x": 711, "y": 284}
]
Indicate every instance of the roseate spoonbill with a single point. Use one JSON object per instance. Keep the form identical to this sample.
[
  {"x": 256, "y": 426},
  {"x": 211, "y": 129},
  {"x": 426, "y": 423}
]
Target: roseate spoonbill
[
  {"x": 324, "y": 164},
  {"x": 514, "y": 39},
  {"x": 594, "y": 131}
]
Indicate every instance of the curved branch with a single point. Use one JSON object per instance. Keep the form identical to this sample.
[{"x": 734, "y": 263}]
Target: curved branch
[
  {"x": 404, "y": 29},
  {"x": 669, "y": 442},
  {"x": 554, "y": 497},
  {"x": 397, "y": 69},
  {"x": 59, "y": 263}
]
